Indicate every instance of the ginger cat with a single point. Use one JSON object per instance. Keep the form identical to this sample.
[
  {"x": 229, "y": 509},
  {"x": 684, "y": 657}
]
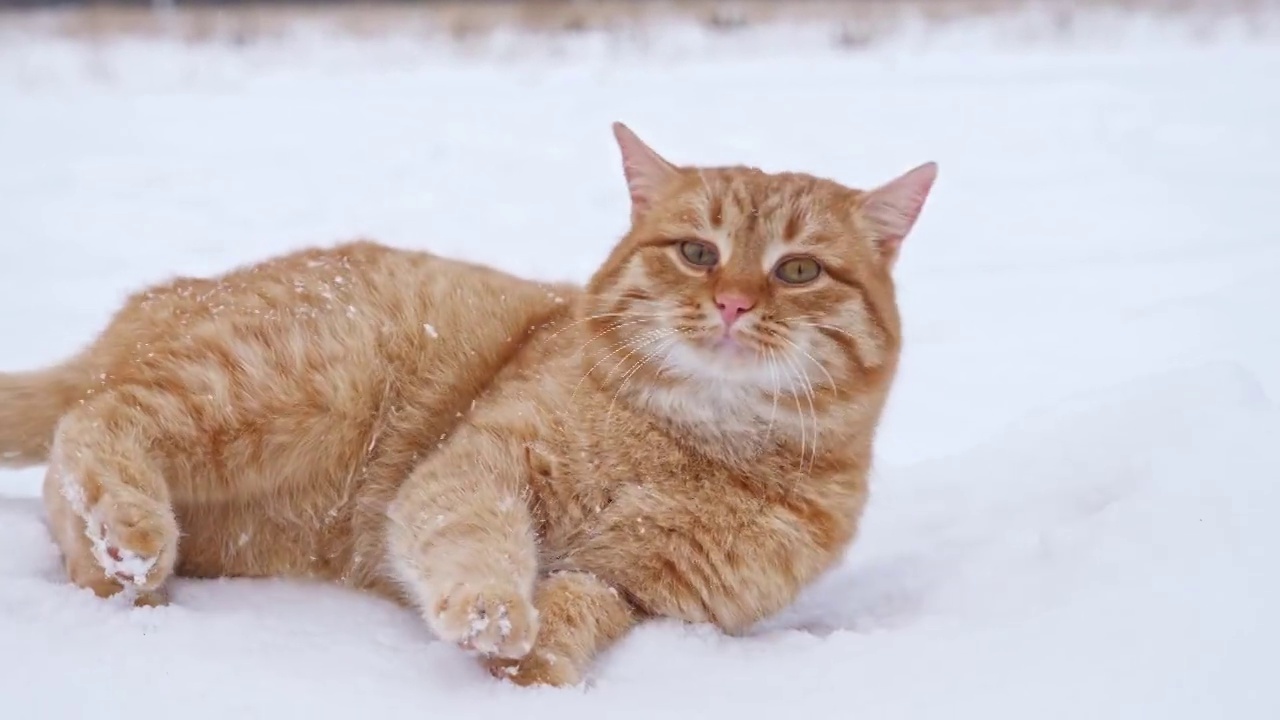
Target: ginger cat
[{"x": 534, "y": 467}]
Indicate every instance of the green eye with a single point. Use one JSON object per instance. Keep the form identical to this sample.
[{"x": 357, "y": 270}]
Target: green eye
[
  {"x": 699, "y": 253},
  {"x": 798, "y": 271}
]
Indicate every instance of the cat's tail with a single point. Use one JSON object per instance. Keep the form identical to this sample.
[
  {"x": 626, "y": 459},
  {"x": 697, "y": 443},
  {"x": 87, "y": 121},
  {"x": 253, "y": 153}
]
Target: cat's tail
[{"x": 31, "y": 404}]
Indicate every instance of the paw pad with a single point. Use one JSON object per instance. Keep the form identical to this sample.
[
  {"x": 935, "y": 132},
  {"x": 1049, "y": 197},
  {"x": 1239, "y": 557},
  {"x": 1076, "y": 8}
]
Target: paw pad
[
  {"x": 128, "y": 554},
  {"x": 491, "y": 622}
]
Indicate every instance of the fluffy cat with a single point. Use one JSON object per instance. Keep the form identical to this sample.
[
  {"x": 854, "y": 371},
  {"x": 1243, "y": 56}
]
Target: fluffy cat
[{"x": 534, "y": 467}]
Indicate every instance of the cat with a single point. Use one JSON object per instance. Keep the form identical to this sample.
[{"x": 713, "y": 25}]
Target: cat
[{"x": 534, "y": 467}]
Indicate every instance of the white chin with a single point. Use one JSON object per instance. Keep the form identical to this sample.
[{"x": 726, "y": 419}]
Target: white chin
[
  {"x": 728, "y": 350},
  {"x": 721, "y": 362}
]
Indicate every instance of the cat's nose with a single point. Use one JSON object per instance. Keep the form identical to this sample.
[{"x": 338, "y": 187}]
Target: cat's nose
[{"x": 733, "y": 306}]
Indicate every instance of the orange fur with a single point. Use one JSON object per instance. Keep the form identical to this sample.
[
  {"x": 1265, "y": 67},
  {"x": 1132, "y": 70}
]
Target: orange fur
[{"x": 534, "y": 467}]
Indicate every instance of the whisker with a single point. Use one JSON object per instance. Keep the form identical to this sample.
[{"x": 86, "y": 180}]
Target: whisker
[
  {"x": 666, "y": 355},
  {"x": 631, "y": 373},
  {"x": 621, "y": 346},
  {"x": 589, "y": 318},
  {"x": 813, "y": 412},
  {"x": 606, "y": 331},
  {"x": 840, "y": 330},
  {"x": 773, "y": 412},
  {"x": 812, "y": 359},
  {"x": 794, "y": 318},
  {"x": 799, "y": 410},
  {"x": 661, "y": 334}
]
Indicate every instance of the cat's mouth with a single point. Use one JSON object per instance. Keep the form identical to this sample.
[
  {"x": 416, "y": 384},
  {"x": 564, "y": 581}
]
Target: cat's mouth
[
  {"x": 719, "y": 348},
  {"x": 732, "y": 348},
  {"x": 718, "y": 358}
]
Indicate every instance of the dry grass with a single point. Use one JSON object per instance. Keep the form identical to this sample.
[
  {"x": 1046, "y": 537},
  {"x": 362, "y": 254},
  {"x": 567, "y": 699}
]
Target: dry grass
[{"x": 860, "y": 20}]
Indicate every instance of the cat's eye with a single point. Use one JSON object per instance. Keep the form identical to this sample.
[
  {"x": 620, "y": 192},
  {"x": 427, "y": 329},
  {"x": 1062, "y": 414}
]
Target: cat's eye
[
  {"x": 798, "y": 270},
  {"x": 699, "y": 253}
]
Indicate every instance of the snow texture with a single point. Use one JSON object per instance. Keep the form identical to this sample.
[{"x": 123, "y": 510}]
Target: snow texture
[{"x": 1074, "y": 508}]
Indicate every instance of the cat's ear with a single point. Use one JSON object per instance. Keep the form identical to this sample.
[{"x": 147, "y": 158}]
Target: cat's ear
[
  {"x": 646, "y": 171},
  {"x": 891, "y": 210}
]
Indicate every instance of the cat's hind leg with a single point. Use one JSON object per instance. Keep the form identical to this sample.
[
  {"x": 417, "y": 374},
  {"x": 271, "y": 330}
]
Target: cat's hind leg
[
  {"x": 462, "y": 543},
  {"x": 108, "y": 503}
]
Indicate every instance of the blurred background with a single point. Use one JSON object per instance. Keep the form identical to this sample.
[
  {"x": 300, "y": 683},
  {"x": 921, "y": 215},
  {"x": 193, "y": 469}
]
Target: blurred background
[
  {"x": 849, "y": 23},
  {"x": 141, "y": 139}
]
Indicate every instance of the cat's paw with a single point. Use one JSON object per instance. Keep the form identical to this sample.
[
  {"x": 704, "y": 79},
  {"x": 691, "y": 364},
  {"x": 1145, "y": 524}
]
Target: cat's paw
[
  {"x": 537, "y": 668},
  {"x": 151, "y": 598},
  {"x": 87, "y": 573},
  {"x": 491, "y": 621},
  {"x": 135, "y": 541}
]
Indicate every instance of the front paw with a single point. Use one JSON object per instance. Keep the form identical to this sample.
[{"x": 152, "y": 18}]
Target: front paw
[
  {"x": 134, "y": 542},
  {"x": 537, "y": 668},
  {"x": 493, "y": 622}
]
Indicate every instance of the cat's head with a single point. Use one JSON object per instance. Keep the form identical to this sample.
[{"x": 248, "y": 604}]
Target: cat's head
[{"x": 738, "y": 284}]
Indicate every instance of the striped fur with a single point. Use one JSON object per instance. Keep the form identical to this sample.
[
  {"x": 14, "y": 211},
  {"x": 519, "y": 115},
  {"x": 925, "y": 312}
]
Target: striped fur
[{"x": 533, "y": 467}]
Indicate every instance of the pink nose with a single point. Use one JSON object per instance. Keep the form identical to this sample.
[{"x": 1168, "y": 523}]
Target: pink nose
[{"x": 733, "y": 306}]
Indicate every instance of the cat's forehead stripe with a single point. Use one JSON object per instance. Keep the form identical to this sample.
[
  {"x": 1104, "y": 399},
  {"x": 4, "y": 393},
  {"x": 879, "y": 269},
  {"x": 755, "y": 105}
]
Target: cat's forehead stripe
[
  {"x": 705, "y": 210},
  {"x": 766, "y": 227},
  {"x": 715, "y": 211}
]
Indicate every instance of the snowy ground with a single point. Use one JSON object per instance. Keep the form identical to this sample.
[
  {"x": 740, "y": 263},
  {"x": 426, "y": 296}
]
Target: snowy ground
[{"x": 1074, "y": 510}]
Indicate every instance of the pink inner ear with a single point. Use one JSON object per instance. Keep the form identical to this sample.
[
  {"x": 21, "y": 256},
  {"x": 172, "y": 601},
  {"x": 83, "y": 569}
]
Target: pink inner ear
[
  {"x": 893, "y": 208},
  {"x": 646, "y": 171}
]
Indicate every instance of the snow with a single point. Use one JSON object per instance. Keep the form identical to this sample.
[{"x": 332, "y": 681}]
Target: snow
[
  {"x": 120, "y": 562},
  {"x": 1074, "y": 508}
]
